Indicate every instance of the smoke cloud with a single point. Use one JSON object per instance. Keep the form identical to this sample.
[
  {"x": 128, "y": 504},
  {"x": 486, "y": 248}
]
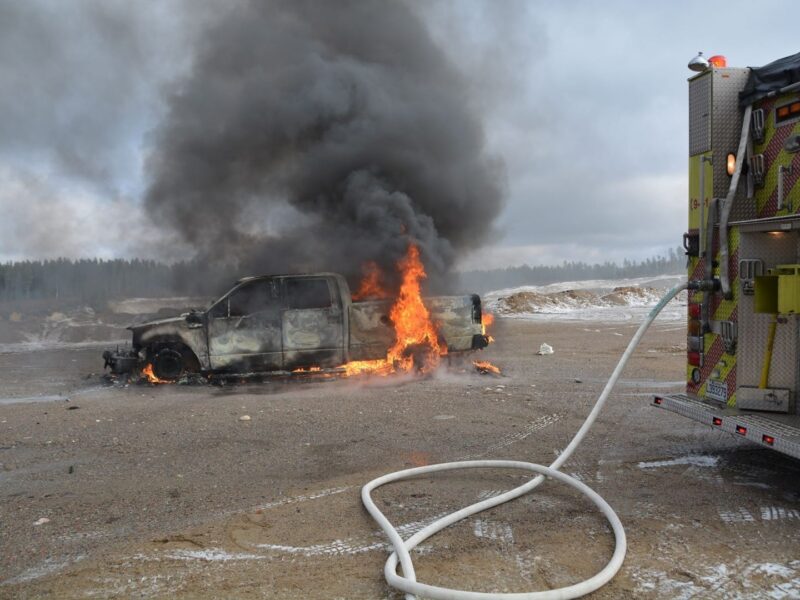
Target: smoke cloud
[{"x": 320, "y": 135}]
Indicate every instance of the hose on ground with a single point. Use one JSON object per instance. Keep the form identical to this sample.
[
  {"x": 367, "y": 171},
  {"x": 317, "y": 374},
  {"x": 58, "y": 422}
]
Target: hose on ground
[{"x": 407, "y": 582}]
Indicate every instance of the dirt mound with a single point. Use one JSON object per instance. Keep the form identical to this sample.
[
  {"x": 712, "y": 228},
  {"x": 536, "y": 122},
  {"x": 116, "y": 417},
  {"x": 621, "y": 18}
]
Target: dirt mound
[
  {"x": 631, "y": 295},
  {"x": 567, "y": 300},
  {"x": 522, "y": 302}
]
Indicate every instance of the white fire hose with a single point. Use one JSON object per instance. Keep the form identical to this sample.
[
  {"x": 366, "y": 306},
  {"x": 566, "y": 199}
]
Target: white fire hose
[{"x": 408, "y": 583}]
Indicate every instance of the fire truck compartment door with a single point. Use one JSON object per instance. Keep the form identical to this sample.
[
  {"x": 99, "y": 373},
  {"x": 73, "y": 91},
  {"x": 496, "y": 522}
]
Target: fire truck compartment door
[
  {"x": 244, "y": 329},
  {"x": 313, "y": 323}
]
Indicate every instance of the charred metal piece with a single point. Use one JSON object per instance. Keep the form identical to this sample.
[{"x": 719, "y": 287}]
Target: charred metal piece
[
  {"x": 121, "y": 363},
  {"x": 479, "y": 341}
]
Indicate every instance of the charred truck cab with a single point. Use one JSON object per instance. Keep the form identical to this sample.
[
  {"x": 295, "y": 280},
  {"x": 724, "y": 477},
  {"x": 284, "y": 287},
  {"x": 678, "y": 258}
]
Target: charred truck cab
[
  {"x": 284, "y": 322},
  {"x": 743, "y": 247}
]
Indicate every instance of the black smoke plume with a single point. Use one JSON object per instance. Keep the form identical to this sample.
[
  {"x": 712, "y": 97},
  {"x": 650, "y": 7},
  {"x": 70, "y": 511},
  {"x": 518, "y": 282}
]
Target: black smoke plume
[{"x": 320, "y": 135}]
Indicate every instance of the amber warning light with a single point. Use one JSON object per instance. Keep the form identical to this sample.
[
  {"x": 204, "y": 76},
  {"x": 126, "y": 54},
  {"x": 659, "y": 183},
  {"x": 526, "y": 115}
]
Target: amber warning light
[{"x": 718, "y": 61}]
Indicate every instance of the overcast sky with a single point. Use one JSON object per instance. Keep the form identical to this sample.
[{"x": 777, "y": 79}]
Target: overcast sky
[{"x": 584, "y": 102}]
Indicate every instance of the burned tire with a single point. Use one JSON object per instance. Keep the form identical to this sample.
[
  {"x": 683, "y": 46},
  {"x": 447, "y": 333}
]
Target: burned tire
[{"x": 170, "y": 362}]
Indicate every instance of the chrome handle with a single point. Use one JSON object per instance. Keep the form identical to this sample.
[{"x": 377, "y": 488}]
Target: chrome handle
[{"x": 782, "y": 170}]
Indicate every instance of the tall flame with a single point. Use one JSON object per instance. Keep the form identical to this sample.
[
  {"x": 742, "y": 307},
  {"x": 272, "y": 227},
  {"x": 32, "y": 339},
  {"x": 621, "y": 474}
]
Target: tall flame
[
  {"x": 416, "y": 333},
  {"x": 486, "y": 321},
  {"x": 371, "y": 286},
  {"x": 417, "y": 342}
]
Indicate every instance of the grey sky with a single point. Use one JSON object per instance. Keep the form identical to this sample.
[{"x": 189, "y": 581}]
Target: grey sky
[{"x": 585, "y": 102}]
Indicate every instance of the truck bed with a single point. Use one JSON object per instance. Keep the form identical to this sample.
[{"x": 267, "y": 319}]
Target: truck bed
[{"x": 777, "y": 431}]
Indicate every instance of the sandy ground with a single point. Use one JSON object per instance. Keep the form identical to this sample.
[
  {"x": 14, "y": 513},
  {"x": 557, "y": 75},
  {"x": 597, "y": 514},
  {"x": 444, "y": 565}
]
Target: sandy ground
[{"x": 163, "y": 491}]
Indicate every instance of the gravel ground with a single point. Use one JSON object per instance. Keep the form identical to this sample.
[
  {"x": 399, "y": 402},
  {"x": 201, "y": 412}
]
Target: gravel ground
[{"x": 164, "y": 492}]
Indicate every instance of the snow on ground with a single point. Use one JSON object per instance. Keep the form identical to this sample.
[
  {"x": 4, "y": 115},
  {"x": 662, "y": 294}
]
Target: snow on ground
[
  {"x": 146, "y": 306},
  {"x": 593, "y": 300}
]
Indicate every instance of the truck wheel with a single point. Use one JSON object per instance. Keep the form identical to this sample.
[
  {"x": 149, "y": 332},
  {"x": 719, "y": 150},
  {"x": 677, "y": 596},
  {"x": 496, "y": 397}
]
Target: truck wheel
[{"x": 168, "y": 364}]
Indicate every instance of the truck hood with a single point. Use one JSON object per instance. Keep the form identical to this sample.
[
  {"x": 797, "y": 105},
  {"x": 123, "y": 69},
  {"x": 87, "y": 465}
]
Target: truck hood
[{"x": 178, "y": 322}]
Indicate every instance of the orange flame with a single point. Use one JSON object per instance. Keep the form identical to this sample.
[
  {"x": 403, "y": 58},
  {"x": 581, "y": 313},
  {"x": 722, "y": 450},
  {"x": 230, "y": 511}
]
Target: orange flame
[
  {"x": 151, "y": 377},
  {"x": 487, "y": 319},
  {"x": 371, "y": 286},
  {"x": 484, "y": 366},
  {"x": 417, "y": 342},
  {"x": 416, "y": 333},
  {"x": 380, "y": 366}
]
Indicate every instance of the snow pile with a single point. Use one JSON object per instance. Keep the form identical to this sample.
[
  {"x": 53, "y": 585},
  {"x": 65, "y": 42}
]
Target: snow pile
[
  {"x": 151, "y": 306},
  {"x": 595, "y": 300}
]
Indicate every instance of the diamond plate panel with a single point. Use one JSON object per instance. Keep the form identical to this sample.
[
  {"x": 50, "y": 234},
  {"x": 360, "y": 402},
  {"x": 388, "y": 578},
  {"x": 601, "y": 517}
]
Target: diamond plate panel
[
  {"x": 726, "y": 129},
  {"x": 753, "y": 328},
  {"x": 700, "y": 114}
]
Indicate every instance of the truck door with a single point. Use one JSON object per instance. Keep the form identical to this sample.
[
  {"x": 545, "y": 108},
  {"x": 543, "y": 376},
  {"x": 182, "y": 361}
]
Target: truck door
[
  {"x": 313, "y": 323},
  {"x": 244, "y": 328}
]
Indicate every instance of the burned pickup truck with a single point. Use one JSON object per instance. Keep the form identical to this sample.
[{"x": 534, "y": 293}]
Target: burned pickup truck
[{"x": 284, "y": 323}]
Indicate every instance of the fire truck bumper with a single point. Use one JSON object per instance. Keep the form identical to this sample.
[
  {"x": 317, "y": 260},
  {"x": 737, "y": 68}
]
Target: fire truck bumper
[{"x": 779, "y": 432}]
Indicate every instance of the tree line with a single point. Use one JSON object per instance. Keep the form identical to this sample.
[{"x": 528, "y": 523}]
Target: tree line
[
  {"x": 673, "y": 262},
  {"x": 94, "y": 281}
]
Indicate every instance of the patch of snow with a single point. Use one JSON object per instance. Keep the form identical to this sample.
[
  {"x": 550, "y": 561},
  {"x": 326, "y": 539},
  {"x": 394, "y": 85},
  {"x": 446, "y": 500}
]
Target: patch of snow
[
  {"x": 695, "y": 460},
  {"x": 737, "y": 581},
  {"x": 48, "y": 567},
  {"x": 143, "y": 306},
  {"x": 774, "y": 569},
  {"x": 305, "y": 498},
  {"x": 39, "y": 344},
  {"x": 351, "y": 546},
  {"x": 517, "y": 436},
  {"x": 212, "y": 555},
  {"x": 739, "y": 515},
  {"x": 774, "y": 513},
  {"x": 493, "y": 530}
]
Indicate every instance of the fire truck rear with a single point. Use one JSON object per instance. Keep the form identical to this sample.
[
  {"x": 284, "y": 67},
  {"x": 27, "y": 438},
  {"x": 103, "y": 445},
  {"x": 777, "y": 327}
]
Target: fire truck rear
[{"x": 743, "y": 247}]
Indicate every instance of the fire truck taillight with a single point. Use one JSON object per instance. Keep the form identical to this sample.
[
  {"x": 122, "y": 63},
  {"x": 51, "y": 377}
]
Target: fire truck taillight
[
  {"x": 695, "y": 328},
  {"x": 695, "y": 310},
  {"x": 768, "y": 440},
  {"x": 694, "y": 358},
  {"x": 730, "y": 164}
]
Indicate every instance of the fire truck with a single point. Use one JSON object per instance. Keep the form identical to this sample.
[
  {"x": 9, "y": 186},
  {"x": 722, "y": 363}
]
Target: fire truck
[{"x": 743, "y": 248}]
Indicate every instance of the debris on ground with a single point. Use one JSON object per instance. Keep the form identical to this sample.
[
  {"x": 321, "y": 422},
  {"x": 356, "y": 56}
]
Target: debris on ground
[
  {"x": 484, "y": 367},
  {"x": 545, "y": 349}
]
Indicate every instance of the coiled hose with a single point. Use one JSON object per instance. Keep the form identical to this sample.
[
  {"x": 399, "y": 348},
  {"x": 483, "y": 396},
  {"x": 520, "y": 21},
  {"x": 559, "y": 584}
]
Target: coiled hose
[{"x": 407, "y": 582}]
